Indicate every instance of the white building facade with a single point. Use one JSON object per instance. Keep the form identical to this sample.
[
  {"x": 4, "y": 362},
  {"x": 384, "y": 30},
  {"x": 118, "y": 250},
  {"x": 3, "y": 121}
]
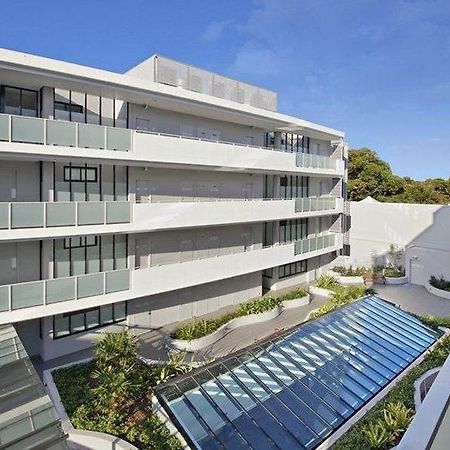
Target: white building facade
[{"x": 151, "y": 197}]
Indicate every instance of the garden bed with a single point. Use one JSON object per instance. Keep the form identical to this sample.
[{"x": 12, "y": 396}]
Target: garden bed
[
  {"x": 439, "y": 287},
  {"x": 396, "y": 280},
  {"x": 337, "y": 294},
  {"x": 243, "y": 316},
  {"x": 113, "y": 394},
  {"x": 377, "y": 429}
]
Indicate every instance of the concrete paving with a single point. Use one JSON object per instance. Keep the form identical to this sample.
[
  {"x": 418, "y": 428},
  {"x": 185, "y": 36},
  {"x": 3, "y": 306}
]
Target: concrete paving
[
  {"x": 415, "y": 299},
  {"x": 151, "y": 346}
]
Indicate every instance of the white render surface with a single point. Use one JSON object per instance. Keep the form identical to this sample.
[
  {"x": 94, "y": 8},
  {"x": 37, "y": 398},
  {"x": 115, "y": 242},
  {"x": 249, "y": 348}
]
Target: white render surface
[
  {"x": 172, "y": 198},
  {"x": 420, "y": 230}
]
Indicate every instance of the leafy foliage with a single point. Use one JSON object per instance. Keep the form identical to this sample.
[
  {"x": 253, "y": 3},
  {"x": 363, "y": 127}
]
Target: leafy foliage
[
  {"x": 402, "y": 393},
  {"x": 202, "y": 327},
  {"x": 370, "y": 175},
  {"x": 327, "y": 282},
  {"x": 440, "y": 283},
  {"x": 113, "y": 393},
  {"x": 351, "y": 271},
  {"x": 377, "y": 435},
  {"x": 436, "y": 321}
]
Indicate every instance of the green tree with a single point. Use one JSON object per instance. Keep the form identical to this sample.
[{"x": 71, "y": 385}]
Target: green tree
[{"x": 369, "y": 175}]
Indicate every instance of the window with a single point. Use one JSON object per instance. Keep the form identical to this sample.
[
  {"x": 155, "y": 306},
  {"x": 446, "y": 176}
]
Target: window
[
  {"x": 142, "y": 124},
  {"x": 75, "y": 173},
  {"x": 268, "y": 273},
  {"x": 293, "y": 230},
  {"x": 80, "y": 241},
  {"x": 76, "y": 322},
  {"x": 22, "y": 102},
  {"x": 295, "y": 268},
  {"x": 63, "y": 106},
  {"x": 86, "y": 108},
  {"x": 294, "y": 187}
]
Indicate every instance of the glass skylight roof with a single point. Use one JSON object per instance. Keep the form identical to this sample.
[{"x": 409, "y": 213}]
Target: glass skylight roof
[{"x": 292, "y": 392}]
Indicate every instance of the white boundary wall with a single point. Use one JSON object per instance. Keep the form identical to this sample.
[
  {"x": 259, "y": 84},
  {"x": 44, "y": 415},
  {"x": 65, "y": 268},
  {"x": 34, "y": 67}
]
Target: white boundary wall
[{"x": 421, "y": 230}]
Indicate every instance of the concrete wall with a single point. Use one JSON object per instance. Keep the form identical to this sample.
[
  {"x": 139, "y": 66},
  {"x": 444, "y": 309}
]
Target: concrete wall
[
  {"x": 19, "y": 262},
  {"x": 420, "y": 230},
  {"x": 160, "y": 248},
  {"x": 158, "y": 185},
  {"x": 19, "y": 181},
  {"x": 166, "y": 121}
]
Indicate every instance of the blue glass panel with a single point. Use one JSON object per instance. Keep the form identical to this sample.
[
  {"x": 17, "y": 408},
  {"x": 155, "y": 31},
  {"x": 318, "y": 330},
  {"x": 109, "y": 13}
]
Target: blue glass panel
[
  {"x": 387, "y": 327},
  {"x": 292, "y": 392},
  {"x": 383, "y": 333},
  {"x": 417, "y": 335}
]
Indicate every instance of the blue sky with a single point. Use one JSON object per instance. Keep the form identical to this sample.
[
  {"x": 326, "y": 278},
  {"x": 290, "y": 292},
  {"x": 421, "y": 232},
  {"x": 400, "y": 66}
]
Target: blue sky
[{"x": 377, "y": 69}]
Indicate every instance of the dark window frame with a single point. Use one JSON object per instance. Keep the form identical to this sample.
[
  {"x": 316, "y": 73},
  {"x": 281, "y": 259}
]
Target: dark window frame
[
  {"x": 67, "y": 170},
  {"x": 81, "y": 244},
  {"x": 292, "y": 269},
  {"x": 69, "y": 315},
  {"x": 3, "y": 88}
]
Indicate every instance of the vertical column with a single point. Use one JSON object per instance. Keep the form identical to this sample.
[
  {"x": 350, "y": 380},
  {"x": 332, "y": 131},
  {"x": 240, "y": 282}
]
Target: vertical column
[
  {"x": 47, "y": 109},
  {"x": 48, "y": 193},
  {"x": 277, "y": 139}
]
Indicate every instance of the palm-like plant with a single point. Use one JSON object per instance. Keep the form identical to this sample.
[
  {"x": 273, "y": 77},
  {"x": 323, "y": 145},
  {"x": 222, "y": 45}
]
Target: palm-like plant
[
  {"x": 377, "y": 435},
  {"x": 116, "y": 349}
]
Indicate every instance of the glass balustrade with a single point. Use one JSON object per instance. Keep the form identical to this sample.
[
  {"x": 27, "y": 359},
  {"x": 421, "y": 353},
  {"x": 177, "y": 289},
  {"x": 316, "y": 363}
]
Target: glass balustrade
[
  {"x": 63, "y": 214},
  {"x": 310, "y": 204},
  {"x": 46, "y": 292},
  {"x": 314, "y": 243},
  {"x": 33, "y": 130},
  {"x": 315, "y": 161}
]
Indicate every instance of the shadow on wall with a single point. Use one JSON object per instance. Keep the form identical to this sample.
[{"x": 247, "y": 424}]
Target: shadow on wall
[{"x": 421, "y": 231}]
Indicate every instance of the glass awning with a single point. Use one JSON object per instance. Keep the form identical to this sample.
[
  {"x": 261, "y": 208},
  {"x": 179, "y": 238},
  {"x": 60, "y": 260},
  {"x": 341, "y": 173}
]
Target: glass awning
[
  {"x": 27, "y": 417},
  {"x": 292, "y": 392}
]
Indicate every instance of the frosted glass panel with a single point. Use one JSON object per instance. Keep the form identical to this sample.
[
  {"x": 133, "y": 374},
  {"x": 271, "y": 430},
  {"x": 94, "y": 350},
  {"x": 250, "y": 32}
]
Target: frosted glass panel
[
  {"x": 90, "y": 213},
  {"x": 60, "y": 214},
  {"x": 60, "y": 290},
  {"x": 89, "y": 285},
  {"x": 118, "y": 212},
  {"x": 4, "y": 127},
  {"x": 27, "y": 215},
  {"x": 27, "y": 294},
  {"x": 91, "y": 136},
  {"x": 25, "y": 129},
  {"x": 117, "y": 280},
  {"x": 4, "y": 298},
  {"x": 61, "y": 133}
]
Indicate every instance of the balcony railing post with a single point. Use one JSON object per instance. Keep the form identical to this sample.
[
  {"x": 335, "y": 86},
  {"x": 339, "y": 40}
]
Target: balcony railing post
[
  {"x": 9, "y": 215},
  {"x": 10, "y": 127},
  {"x": 77, "y": 137},
  {"x": 44, "y": 293},
  {"x": 76, "y": 213},
  {"x": 10, "y": 297}
]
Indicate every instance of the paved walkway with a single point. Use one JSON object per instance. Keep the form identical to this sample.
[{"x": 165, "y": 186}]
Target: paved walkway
[
  {"x": 151, "y": 346},
  {"x": 415, "y": 299}
]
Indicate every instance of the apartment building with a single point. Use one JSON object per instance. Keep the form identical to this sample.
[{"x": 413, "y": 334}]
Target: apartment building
[{"x": 153, "y": 196}]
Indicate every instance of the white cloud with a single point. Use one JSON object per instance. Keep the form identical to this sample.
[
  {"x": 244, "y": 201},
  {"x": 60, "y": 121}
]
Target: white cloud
[{"x": 215, "y": 30}]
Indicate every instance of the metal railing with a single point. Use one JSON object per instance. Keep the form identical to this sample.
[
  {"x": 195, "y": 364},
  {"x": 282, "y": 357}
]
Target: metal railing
[
  {"x": 63, "y": 214},
  {"x": 46, "y": 292},
  {"x": 34, "y": 130},
  {"x": 314, "y": 243}
]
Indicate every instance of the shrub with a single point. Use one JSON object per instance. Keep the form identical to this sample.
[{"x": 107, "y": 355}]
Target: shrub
[
  {"x": 397, "y": 417},
  {"x": 377, "y": 435},
  {"x": 112, "y": 394},
  {"x": 202, "y": 327},
  {"x": 351, "y": 271},
  {"x": 440, "y": 283},
  {"x": 73, "y": 385},
  {"x": 436, "y": 321},
  {"x": 327, "y": 282},
  {"x": 394, "y": 272}
]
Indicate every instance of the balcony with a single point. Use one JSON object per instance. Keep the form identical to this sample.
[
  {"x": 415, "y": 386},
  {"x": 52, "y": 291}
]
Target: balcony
[
  {"x": 42, "y": 220},
  {"x": 32, "y": 130},
  {"x": 52, "y": 139},
  {"x": 33, "y": 299},
  {"x": 46, "y": 292}
]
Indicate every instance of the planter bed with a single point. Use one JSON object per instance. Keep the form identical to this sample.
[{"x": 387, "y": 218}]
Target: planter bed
[
  {"x": 321, "y": 292},
  {"x": 396, "y": 280},
  {"x": 346, "y": 280},
  {"x": 438, "y": 292},
  {"x": 250, "y": 319}
]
